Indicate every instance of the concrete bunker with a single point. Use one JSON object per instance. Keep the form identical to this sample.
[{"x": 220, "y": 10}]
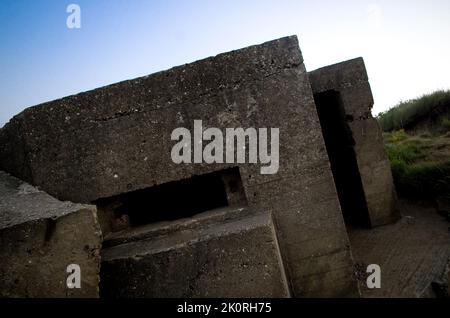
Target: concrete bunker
[
  {"x": 274, "y": 235},
  {"x": 340, "y": 147}
]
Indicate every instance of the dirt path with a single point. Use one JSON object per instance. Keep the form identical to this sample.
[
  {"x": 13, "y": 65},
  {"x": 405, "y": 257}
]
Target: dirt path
[{"x": 411, "y": 253}]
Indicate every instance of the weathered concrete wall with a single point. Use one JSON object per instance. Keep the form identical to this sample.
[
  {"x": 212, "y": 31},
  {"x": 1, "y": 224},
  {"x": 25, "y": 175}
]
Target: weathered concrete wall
[
  {"x": 116, "y": 139},
  {"x": 350, "y": 79},
  {"x": 232, "y": 256},
  {"x": 39, "y": 237}
]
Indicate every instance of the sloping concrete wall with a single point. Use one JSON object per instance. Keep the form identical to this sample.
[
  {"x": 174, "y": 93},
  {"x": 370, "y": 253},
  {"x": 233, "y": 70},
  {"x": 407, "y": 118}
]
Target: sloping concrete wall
[
  {"x": 350, "y": 79},
  {"x": 39, "y": 237},
  {"x": 116, "y": 139}
]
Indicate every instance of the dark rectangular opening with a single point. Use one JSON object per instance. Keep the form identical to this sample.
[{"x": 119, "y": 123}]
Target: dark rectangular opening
[
  {"x": 171, "y": 201},
  {"x": 340, "y": 147}
]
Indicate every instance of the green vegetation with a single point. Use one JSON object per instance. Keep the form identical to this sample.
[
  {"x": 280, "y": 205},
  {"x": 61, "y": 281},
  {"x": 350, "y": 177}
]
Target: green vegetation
[
  {"x": 420, "y": 164},
  {"x": 406, "y": 112},
  {"x": 445, "y": 124}
]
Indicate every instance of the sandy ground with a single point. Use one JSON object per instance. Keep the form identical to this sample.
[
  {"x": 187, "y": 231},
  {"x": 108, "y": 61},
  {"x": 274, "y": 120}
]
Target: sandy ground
[{"x": 412, "y": 253}]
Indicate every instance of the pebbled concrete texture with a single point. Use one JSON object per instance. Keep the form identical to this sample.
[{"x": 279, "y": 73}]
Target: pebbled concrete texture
[
  {"x": 350, "y": 79},
  {"x": 39, "y": 237},
  {"x": 116, "y": 139},
  {"x": 235, "y": 257}
]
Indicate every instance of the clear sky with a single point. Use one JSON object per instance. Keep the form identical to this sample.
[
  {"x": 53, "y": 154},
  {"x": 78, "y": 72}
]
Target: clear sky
[{"x": 405, "y": 44}]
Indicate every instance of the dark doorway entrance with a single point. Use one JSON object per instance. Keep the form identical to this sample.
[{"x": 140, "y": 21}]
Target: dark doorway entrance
[{"x": 340, "y": 147}]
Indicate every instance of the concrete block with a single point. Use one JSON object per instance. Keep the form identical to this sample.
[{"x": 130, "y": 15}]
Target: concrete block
[
  {"x": 39, "y": 237},
  {"x": 233, "y": 258},
  {"x": 350, "y": 82}
]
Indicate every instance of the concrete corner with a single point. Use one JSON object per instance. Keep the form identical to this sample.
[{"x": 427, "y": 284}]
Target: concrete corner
[{"x": 39, "y": 237}]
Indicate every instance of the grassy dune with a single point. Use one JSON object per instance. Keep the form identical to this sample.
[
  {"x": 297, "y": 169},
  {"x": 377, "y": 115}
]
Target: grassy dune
[
  {"x": 420, "y": 164},
  {"x": 407, "y": 112}
]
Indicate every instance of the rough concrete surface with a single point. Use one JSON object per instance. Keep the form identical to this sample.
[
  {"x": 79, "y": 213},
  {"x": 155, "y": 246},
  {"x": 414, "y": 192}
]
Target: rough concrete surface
[
  {"x": 117, "y": 139},
  {"x": 350, "y": 80},
  {"x": 39, "y": 237},
  {"x": 412, "y": 252},
  {"x": 238, "y": 257}
]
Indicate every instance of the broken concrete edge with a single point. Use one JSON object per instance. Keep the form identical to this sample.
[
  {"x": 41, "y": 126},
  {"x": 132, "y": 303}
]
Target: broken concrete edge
[
  {"x": 40, "y": 238},
  {"x": 22, "y": 202}
]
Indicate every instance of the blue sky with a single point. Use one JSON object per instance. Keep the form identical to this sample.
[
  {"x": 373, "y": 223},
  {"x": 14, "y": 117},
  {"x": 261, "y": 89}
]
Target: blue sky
[{"x": 405, "y": 44}]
